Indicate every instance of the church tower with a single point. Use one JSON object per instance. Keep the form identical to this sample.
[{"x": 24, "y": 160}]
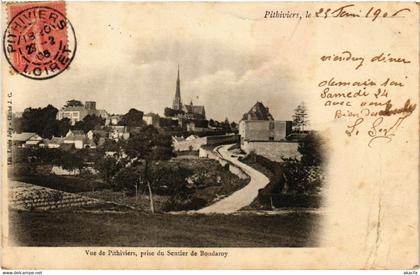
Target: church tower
[{"x": 177, "y": 103}]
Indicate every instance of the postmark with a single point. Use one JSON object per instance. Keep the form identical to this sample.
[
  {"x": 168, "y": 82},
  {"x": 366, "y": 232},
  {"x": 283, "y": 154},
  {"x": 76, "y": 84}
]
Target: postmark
[{"x": 39, "y": 41}]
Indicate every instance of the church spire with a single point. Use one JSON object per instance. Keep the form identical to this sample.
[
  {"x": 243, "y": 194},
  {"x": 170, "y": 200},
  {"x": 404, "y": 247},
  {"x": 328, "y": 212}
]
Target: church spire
[
  {"x": 177, "y": 103},
  {"x": 178, "y": 74}
]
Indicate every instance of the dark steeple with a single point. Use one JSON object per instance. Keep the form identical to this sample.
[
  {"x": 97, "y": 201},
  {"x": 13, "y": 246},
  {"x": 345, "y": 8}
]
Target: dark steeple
[{"x": 177, "y": 103}]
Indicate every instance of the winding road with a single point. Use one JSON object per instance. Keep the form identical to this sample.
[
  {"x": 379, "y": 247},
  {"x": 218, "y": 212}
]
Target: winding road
[{"x": 242, "y": 197}]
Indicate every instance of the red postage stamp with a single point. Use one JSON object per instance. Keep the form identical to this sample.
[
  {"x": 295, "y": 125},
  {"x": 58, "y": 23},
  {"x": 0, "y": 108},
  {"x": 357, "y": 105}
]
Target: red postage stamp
[{"x": 39, "y": 41}]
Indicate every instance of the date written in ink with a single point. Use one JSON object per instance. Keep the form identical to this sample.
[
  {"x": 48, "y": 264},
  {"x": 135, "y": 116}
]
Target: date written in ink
[{"x": 353, "y": 10}]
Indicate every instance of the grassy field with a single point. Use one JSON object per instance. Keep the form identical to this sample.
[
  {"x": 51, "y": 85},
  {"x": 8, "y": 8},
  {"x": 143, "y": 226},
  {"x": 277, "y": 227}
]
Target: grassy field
[
  {"x": 67, "y": 228},
  {"x": 212, "y": 182},
  {"x": 205, "y": 190}
]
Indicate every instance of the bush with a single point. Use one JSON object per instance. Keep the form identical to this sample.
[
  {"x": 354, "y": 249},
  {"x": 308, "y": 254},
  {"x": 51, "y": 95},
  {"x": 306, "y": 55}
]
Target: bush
[
  {"x": 169, "y": 179},
  {"x": 35, "y": 155},
  {"x": 126, "y": 179},
  {"x": 312, "y": 150},
  {"x": 182, "y": 202},
  {"x": 301, "y": 179},
  {"x": 290, "y": 176},
  {"x": 289, "y": 200}
]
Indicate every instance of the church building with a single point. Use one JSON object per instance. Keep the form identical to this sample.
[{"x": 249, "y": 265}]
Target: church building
[{"x": 188, "y": 111}]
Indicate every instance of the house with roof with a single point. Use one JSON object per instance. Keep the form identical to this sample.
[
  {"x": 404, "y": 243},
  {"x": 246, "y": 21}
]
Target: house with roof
[
  {"x": 151, "y": 119},
  {"x": 259, "y": 125},
  {"x": 97, "y": 136},
  {"x": 190, "y": 143},
  {"x": 261, "y": 133},
  {"x": 196, "y": 125},
  {"x": 194, "y": 111},
  {"x": 26, "y": 139},
  {"x": 117, "y": 132},
  {"x": 76, "y": 137},
  {"x": 79, "y": 139},
  {"x": 75, "y": 132},
  {"x": 113, "y": 120},
  {"x": 78, "y": 113},
  {"x": 55, "y": 142},
  {"x": 97, "y": 133}
]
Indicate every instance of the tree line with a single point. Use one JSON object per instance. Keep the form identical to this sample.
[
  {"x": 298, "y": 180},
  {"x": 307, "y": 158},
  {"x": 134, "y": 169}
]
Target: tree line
[{"x": 44, "y": 122}]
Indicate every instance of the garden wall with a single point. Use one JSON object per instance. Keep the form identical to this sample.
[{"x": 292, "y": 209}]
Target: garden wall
[
  {"x": 204, "y": 153},
  {"x": 195, "y": 144},
  {"x": 272, "y": 150}
]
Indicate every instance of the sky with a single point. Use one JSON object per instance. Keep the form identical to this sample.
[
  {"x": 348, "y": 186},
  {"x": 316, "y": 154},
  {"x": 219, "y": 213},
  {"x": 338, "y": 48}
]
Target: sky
[{"x": 227, "y": 61}]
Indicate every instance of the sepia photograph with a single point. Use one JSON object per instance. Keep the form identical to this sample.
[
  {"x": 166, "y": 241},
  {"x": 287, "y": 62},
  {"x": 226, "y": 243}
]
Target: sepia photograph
[{"x": 207, "y": 129}]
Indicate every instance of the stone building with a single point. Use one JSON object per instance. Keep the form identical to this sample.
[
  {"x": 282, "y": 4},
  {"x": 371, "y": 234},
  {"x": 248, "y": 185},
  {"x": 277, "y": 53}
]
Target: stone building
[
  {"x": 151, "y": 119},
  {"x": 265, "y": 136},
  {"x": 78, "y": 113},
  {"x": 259, "y": 125}
]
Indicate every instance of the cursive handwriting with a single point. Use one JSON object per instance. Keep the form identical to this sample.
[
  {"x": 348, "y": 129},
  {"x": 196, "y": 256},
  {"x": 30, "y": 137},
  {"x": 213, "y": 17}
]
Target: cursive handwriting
[
  {"x": 407, "y": 109},
  {"x": 352, "y": 128},
  {"x": 379, "y": 129},
  {"x": 345, "y": 56},
  {"x": 379, "y": 132},
  {"x": 352, "y": 10},
  {"x": 359, "y": 61}
]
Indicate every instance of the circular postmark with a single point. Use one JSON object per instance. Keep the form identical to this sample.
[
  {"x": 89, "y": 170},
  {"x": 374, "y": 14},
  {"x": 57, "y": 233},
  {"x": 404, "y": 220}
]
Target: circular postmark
[{"x": 39, "y": 42}]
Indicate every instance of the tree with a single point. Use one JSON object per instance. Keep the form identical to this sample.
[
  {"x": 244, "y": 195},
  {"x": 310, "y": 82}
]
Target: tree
[
  {"x": 300, "y": 117},
  {"x": 96, "y": 138},
  {"x": 62, "y": 127},
  {"x": 17, "y": 124},
  {"x": 111, "y": 146},
  {"x": 73, "y": 103},
  {"x": 71, "y": 160},
  {"x": 202, "y": 123},
  {"x": 145, "y": 148},
  {"x": 89, "y": 122},
  {"x": 311, "y": 148},
  {"x": 108, "y": 167},
  {"x": 211, "y": 123},
  {"x": 165, "y": 122},
  {"x": 127, "y": 179},
  {"x": 40, "y": 120},
  {"x": 226, "y": 125},
  {"x": 134, "y": 118},
  {"x": 169, "y": 112}
]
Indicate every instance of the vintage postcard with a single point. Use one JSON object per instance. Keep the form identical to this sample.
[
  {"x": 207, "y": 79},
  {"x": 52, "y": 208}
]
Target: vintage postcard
[{"x": 182, "y": 135}]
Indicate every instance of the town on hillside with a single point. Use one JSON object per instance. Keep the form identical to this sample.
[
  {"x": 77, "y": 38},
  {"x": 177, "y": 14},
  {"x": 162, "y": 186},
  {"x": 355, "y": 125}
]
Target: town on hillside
[{"x": 80, "y": 158}]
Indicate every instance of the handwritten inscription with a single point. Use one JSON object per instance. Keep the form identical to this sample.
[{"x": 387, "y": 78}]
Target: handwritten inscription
[
  {"x": 347, "y": 11},
  {"x": 358, "y": 61},
  {"x": 373, "y": 106},
  {"x": 352, "y": 10}
]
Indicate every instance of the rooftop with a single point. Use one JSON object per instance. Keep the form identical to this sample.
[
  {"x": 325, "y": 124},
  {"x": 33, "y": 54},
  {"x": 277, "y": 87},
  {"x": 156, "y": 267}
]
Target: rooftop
[
  {"x": 258, "y": 112},
  {"x": 24, "y": 136}
]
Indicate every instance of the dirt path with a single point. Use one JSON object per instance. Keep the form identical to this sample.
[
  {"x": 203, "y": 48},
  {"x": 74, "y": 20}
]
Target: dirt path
[{"x": 242, "y": 197}]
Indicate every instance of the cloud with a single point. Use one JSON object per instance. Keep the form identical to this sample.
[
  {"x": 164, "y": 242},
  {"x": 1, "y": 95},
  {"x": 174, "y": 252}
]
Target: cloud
[
  {"x": 225, "y": 75},
  {"x": 227, "y": 94}
]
